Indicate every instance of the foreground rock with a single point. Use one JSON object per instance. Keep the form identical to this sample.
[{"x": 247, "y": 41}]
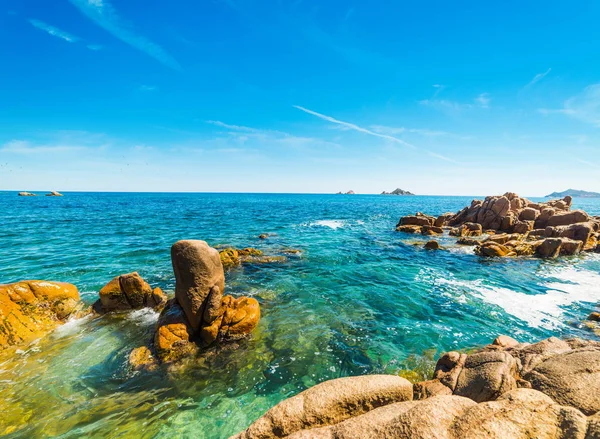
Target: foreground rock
[
  {"x": 30, "y": 309},
  {"x": 514, "y": 226},
  {"x": 127, "y": 292},
  {"x": 508, "y": 389},
  {"x": 199, "y": 315}
]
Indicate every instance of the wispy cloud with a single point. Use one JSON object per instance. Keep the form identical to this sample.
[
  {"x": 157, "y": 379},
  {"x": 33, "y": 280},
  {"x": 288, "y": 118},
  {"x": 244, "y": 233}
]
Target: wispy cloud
[
  {"x": 438, "y": 89},
  {"x": 363, "y": 130},
  {"x": 26, "y": 147},
  {"x": 585, "y": 106},
  {"x": 148, "y": 88},
  {"x": 105, "y": 15},
  {"x": 54, "y": 31},
  {"x": 538, "y": 78},
  {"x": 586, "y": 162},
  {"x": 419, "y": 131},
  {"x": 481, "y": 101},
  {"x": 95, "y": 46}
]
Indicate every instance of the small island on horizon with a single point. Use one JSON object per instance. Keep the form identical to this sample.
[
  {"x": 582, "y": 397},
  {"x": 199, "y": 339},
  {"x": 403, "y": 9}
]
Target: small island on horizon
[
  {"x": 575, "y": 193},
  {"x": 397, "y": 191}
]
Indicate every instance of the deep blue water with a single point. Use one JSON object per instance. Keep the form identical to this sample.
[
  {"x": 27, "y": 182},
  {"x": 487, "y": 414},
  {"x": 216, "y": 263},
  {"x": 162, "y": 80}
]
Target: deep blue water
[{"x": 361, "y": 299}]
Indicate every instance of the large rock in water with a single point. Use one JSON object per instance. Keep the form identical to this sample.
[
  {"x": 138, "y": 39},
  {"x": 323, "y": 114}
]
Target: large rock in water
[
  {"x": 29, "y": 309},
  {"x": 199, "y": 277},
  {"x": 129, "y": 291}
]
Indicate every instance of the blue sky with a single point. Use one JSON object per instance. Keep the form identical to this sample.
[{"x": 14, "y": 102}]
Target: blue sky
[{"x": 436, "y": 97}]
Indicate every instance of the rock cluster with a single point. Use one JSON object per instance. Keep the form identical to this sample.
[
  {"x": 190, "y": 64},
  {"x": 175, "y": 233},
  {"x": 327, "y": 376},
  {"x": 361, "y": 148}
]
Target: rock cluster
[
  {"x": 199, "y": 315},
  {"x": 27, "y": 194},
  {"x": 514, "y": 226},
  {"x": 545, "y": 390},
  {"x": 30, "y": 309},
  {"x": 127, "y": 292},
  {"x": 397, "y": 192},
  {"x": 234, "y": 257}
]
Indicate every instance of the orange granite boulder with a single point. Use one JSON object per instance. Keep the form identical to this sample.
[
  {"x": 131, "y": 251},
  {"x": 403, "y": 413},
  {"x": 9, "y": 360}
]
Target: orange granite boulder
[
  {"x": 129, "y": 291},
  {"x": 30, "y": 309}
]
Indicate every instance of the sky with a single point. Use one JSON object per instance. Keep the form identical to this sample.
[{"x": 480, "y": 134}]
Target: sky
[{"x": 310, "y": 96}]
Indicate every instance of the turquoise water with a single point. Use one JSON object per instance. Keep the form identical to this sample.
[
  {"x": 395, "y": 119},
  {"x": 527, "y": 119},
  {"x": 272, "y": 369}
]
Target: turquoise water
[{"x": 361, "y": 299}]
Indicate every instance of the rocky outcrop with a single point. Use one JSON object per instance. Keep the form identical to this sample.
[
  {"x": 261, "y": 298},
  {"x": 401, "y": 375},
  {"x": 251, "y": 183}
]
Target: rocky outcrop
[
  {"x": 30, "y": 309},
  {"x": 127, "y": 292},
  {"x": 508, "y": 389},
  {"x": 54, "y": 194},
  {"x": 514, "y": 226},
  {"x": 397, "y": 191},
  {"x": 199, "y": 315},
  {"x": 234, "y": 257},
  {"x": 27, "y": 194}
]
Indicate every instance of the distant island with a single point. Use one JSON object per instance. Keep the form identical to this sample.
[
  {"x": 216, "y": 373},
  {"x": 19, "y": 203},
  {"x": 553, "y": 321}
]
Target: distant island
[
  {"x": 397, "y": 192},
  {"x": 574, "y": 193},
  {"x": 350, "y": 192}
]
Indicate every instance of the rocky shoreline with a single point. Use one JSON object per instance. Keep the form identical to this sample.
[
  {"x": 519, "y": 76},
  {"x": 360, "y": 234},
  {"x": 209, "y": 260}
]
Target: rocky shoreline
[
  {"x": 508, "y": 226},
  {"x": 546, "y": 390}
]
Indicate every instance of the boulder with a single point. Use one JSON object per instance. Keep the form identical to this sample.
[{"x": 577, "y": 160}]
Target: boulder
[
  {"x": 26, "y": 194},
  {"x": 471, "y": 229},
  {"x": 173, "y": 336},
  {"x": 442, "y": 220},
  {"x": 522, "y": 413},
  {"x": 448, "y": 368},
  {"x": 329, "y": 403},
  {"x": 142, "y": 359},
  {"x": 530, "y": 356},
  {"x": 129, "y": 291},
  {"x": 593, "y": 431},
  {"x": 29, "y": 309},
  {"x": 236, "y": 319},
  {"x": 549, "y": 248},
  {"x": 486, "y": 376},
  {"x": 198, "y": 274},
  {"x": 54, "y": 194},
  {"x": 571, "y": 378},
  {"x": 468, "y": 241},
  {"x": 529, "y": 214},
  {"x": 567, "y": 218},
  {"x": 409, "y": 229},
  {"x": 523, "y": 227},
  {"x": 416, "y": 220},
  {"x": 432, "y": 245},
  {"x": 492, "y": 249},
  {"x": 427, "y": 389},
  {"x": 594, "y": 317},
  {"x": 432, "y": 230}
]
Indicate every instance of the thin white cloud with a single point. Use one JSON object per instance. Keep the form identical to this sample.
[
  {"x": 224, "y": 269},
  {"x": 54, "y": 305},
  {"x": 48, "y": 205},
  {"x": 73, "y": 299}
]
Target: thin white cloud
[
  {"x": 483, "y": 100},
  {"x": 438, "y": 89},
  {"x": 95, "y": 46},
  {"x": 538, "y": 78},
  {"x": 148, "y": 88},
  {"x": 54, "y": 31},
  {"x": 585, "y": 106},
  {"x": 420, "y": 131},
  {"x": 105, "y": 15},
  {"x": 218, "y": 123},
  {"x": 360, "y": 129},
  {"x": 586, "y": 162},
  {"x": 26, "y": 147}
]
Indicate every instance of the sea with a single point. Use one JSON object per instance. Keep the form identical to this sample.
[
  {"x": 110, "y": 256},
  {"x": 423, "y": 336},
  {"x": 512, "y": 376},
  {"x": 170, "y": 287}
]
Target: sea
[{"x": 359, "y": 299}]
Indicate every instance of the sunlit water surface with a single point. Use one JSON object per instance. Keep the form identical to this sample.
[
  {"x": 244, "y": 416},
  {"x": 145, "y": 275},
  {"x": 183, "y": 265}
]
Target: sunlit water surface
[{"x": 361, "y": 299}]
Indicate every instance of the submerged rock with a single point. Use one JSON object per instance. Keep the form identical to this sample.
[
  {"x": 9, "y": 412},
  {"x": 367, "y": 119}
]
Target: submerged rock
[
  {"x": 233, "y": 257},
  {"x": 127, "y": 292},
  {"x": 432, "y": 245},
  {"x": 30, "y": 309}
]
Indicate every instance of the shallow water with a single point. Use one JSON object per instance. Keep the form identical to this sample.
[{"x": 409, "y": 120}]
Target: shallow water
[{"x": 361, "y": 299}]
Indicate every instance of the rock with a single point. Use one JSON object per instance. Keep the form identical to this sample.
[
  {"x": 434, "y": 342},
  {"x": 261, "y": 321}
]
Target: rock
[
  {"x": 531, "y": 355},
  {"x": 570, "y": 247},
  {"x": 129, "y": 291},
  {"x": 448, "y": 368},
  {"x": 198, "y": 273},
  {"x": 505, "y": 341},
  {"x": 471, "y": 229},
  {"x": 172, "y": 339},
  {"x": 229, "y": 257},
  {"x": 263, "y": 236},
  {"x": 432, "y": 245},
  {"x": 486, "y": 376},
  {"x": 27, "y": 194},
  {"x": 468, "y": 241},
  {"x": 521, "y": 413},
  {"x": 568, "y": 218},
  {"x": 409, "y": 229},
  {"x": 237, "y": 318},
  {"x": 416, "y": 220},
  {"x": 529, "y": 214},
  {"x": 432, "y": 230},
  {"x": 142, "y": 359},
  {"x": 593, "y": 431},
  {"x": 427, "y": 389},
  {"x": 329, "y": 403},
  {"x": 549, "y": 248},
  {"x": 54, "y": 194},
  {"x": 30, "y": 309},
  {"x": 493, "y": 249},
  {"x": 594, "y": 317},
  {"x": 442, "y": 220},
  {"x": 570, "y": 378},
  {"x": 523, "y": 227}
]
